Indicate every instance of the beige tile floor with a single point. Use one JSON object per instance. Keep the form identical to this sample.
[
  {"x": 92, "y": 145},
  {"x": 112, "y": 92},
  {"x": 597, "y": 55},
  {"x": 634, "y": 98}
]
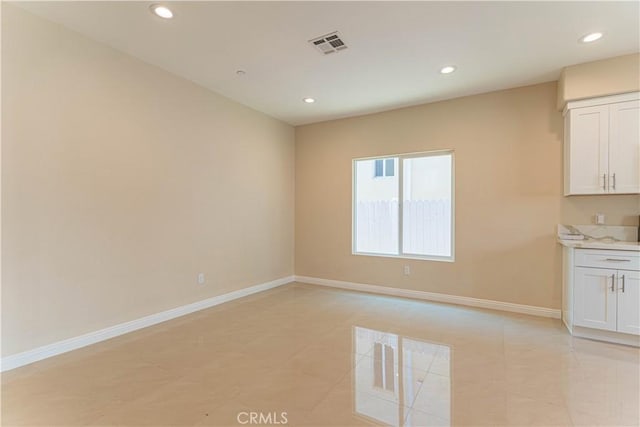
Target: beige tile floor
[{"x": 319, "y": 356}]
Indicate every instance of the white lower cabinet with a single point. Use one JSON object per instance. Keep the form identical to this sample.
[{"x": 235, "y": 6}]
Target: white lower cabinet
[
  {"x": 629, "y": 302},
  {"x": 607, "y": 299},
  {"x": 602, "y": 292},
  {"x": 595, "y": 298}
]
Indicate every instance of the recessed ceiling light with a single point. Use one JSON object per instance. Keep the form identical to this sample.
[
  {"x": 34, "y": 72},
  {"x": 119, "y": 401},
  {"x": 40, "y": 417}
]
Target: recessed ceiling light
[
  {"x": 162, "y": 11},
  {"x": 591, "y": 37},
  {"x": 309, "y": 100},
  {"x": 448, "y": 69}
]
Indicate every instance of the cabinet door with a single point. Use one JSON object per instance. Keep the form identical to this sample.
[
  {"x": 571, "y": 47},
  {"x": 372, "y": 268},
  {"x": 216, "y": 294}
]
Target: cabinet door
[
  {"x": 624, "y": 147},
  {"x": 588, "y": 151},
  {"x": 595, "y": 302},
  {"x": 629, "y": 302}
]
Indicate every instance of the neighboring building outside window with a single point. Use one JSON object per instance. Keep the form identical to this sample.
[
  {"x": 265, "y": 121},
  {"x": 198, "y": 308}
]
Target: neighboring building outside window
[
  {"x": 384, "y": 167},
  {"x": 419, "y": 227}
]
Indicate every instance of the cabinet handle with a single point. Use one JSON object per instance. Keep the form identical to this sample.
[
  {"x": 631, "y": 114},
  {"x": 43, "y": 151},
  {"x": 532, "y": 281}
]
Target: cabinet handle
[
  {"x": 617, "y": 260},
  {"x": 613, "y": 278},
  {"x": 614, "y": 181},
  {"x": 623, "y": 283},
  {"x": 604, "y": 182}
]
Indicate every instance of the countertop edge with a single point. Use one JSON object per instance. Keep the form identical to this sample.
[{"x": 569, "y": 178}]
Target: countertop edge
[{"x": 589, "y": 244}]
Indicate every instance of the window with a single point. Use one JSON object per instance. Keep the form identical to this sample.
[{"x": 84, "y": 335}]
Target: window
[
  {"x": 419, "y": 227},
  {"x": 384, "y": 167}
]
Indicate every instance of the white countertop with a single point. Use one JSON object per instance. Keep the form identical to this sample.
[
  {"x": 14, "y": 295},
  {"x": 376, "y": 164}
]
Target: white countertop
[{"x": 598, "y": 244}]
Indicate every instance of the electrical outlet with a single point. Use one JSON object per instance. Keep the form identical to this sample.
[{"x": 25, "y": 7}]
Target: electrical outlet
[
  {"x": 201, "y": 278},
  {"x": 600, "y": 219},
  {"x": 407, "y": 270}
]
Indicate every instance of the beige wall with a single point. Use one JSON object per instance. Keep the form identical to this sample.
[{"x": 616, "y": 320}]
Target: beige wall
[
  {"x": 120, "y": 182},
  {"x": 599, "y": 78},
  {"x": 508, "y": 159}
]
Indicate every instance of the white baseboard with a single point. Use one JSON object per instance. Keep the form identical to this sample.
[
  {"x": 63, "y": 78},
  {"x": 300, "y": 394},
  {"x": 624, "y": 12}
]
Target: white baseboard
[
  {"x": 49, "y": 350},
  {"x": 432, "y": 296}
]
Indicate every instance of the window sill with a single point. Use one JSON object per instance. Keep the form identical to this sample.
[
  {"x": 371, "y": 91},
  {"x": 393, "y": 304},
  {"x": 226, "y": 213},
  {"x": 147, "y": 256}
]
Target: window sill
[{"x": 407, "y": 256}]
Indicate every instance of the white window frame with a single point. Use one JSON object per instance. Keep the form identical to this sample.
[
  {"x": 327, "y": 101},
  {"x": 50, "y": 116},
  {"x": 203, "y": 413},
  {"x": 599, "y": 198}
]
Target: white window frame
[{"x": 400, "y": 175}]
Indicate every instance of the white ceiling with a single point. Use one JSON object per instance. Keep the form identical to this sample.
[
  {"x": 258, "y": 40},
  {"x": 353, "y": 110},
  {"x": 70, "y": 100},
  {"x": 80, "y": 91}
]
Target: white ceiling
[{"x": 395, "y": 48}]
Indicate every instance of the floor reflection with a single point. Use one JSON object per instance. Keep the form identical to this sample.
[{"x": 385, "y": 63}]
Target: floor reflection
[{"x": 401, "y": 381}]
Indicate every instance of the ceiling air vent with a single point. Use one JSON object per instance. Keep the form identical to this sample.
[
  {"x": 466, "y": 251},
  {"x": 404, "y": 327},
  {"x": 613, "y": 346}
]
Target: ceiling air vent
[{"x": 329, "y": 43}]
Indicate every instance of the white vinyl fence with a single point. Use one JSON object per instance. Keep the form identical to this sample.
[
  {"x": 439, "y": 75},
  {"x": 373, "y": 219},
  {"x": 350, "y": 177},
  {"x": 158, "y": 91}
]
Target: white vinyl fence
[{"x": 426, "y": 223}]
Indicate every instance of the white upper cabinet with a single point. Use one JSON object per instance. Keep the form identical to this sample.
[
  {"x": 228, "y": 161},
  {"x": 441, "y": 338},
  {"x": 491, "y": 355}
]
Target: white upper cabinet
[
  {"x": 588, "y": 150},
  {"x": 624, "y": 147},
  {"x": 602, "y": 145}
]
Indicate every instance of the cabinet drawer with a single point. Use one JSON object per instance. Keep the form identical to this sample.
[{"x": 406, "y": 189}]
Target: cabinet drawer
[{"x": 615, "y": 260}]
